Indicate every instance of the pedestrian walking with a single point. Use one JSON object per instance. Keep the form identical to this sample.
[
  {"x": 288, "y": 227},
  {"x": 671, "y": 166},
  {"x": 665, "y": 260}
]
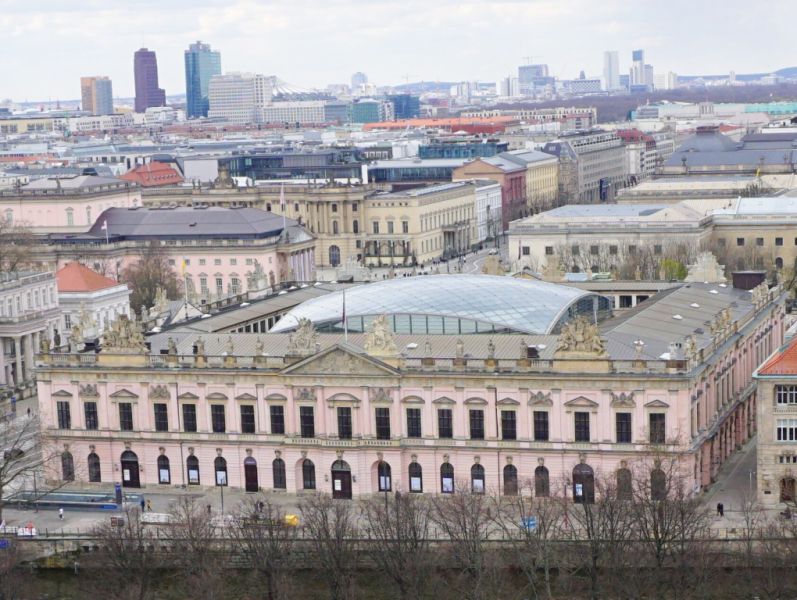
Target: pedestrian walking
[
  {"x": 149, "y": 505},
  {"x": 209, "y": 509},
  {"x": 722, "y": 509},
  {"x": 143, "y": 505},
  {"x": 61, "y": 514}
]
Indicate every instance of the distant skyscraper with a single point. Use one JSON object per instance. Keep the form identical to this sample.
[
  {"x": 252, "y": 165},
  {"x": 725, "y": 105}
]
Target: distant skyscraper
[
  {"x": 611, "y": 69},
  {"x": 531, "y": 77},
  {"x": 145, "y": 69},
  {"x": 357, "y": 80},
  {"x": 638, "y": 67},
  {"x": 96, "y": 95},
  {"x": 201, "y": 63}
]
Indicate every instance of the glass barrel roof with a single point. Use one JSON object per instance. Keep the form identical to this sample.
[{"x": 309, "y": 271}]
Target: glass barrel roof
[{"x": 521, "y": 305}]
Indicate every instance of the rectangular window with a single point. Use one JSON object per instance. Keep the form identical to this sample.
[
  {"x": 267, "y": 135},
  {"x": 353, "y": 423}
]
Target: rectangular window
[
  {"x": 526, "y": 250},
  {"x": 344, "y": 422},
  {"x": 540, "y": 425},
  {"x": 631, "y": 249},
  {"x": 575, "y": 250},
  {"x": 740, "y": 241},
  {"x": 548, "y": 250},
  {"x": 623, "y": 427},
  {"x": 125, "y": 416},
  {"x": 508, "y": 425},
  {"x": 64, "y": 416},
  {"x": 721, "y": 242},
  {"x": 218, "y": 422},
  {"x": 405, "y": 227},
  {"x": 778, "y": 241},
  {"x": 613, "y": 250},
  {"x": 161, "y": 417},
  {"x": 90, "y": 412},
  {"x": 375, "y": 225},
  {"x": 414, "y": 422},
  {"x": 476, "y": 424},
  {"x": 593, "y": 250},
  {"x": 445, "y": 423},
  {"x": 581, "y": 420},
  {"x": 277, "y": 416},
  {"x": 383, "y": 423},
  {"x": 759, "y": 241},
  {"x": 307, "y": 421},
  {"x": 657, "y": 427},
  {"x": 657, "y": 249},
  {"x": 390, "y": 226},
  {"x": 786, "y": 394},
  {"x": 189, "y": 418},
  {"x": 247, "y": 418},
  {"x": 787, "y": 430}
]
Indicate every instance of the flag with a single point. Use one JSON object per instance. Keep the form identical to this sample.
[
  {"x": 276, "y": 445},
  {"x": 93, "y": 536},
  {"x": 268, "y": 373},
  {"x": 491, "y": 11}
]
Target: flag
[
  {"x": 105, "y": 228},
  {"x": 282, "y": 197},
  {"x": 182, "y": 265}
]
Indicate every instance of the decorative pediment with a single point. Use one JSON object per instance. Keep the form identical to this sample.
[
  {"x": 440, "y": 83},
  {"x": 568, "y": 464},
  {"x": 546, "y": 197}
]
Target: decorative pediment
[
  {"x": 380, "y": 395},
  {"x": 580, "y": 338},
  {"x": 276, "y": 398},
  {"x": 343, "y": 398},
  {"x": 581, "y": 402},
  {"x": 657, "y": 404},
  {"x": 123, "y": 393},
  {"x": 339, "y": 361},
  {"x": 216, "y": 396},
  {"x": 412, "y": 400},
  {"x": 443, "y": 400},
  {"x": 62, "y": 394},
  {"x": 476, "y": 401},
  {"x": 246, "y": 397},
  {"x": 508, "y": 402},
  {"x": 187, "y": 396},
  {"x": 623, "y": 400},
  {"x": 159, "y": 392},
  {"x": 540, "y": 399},
  {"x": 88, "y": 391}
]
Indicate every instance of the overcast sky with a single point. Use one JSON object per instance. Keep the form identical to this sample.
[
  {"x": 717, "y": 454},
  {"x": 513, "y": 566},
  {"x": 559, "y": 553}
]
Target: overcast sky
[{"x": 47, "y": 45}]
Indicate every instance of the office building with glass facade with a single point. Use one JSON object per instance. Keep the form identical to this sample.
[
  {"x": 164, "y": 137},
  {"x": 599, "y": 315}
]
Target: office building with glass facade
[{"x": 201, "y": 63}]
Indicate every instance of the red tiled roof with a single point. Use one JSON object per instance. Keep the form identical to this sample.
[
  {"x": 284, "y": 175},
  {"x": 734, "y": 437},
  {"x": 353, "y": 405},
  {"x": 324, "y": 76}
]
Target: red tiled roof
[
  {"x": 75, "y": 277},
  {"x": 783, "y": 363},
  {"x": 153, "y": 174}
]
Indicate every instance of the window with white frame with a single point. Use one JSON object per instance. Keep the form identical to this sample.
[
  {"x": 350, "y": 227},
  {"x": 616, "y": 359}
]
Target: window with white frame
[
  {"x": 786, "y": 394},
  {"x": 787, "y": 430}
]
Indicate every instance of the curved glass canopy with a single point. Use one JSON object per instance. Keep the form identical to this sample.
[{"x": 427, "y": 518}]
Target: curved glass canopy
[{"x": 452, "y": 304}]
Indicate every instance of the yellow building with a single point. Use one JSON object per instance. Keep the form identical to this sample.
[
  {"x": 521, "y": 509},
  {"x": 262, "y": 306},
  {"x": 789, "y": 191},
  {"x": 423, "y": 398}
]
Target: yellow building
[
  {"x": 542, "y": 178},
  {"x": 25, "y": 125},
  {"x": 419, "y": 225}
]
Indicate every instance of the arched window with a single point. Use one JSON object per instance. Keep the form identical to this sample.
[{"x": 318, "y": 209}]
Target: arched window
[
  {"x": 355, "y": 226},
  {"x": 67, "y": 466},
  {"x": 778, "y": 263},
  {"x": 335, "y": 228},
  {"x": 787, "y": 489},
  {"x": 383, "y": 475},
  {"x": 334, "y": 256},
  {"x": 94, "y": 468},
  {"x": 542, "y": 482},
  {"x": 164, "y": 472},
  {"x": 583, "y": 484},
  {"x": 308, "y": 474},
  {"x": 658, "y": 485},
  {"x": 624, "y": 491},
  {"x": 510, "y": 480},
  {"x": 251, "y": 483},
  {"x": 268, "y": 206},
  {"x": 278, "y": 468},
  {"x": 192, "y": 464},
  {"x": 220, "y": 466},
  {"x": 416, "y": 477},
  {"x": 446, "y": 478},
  {"x": 477, "y": 479}
]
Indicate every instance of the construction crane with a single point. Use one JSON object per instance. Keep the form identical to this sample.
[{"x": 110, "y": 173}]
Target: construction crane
[{"x": 529, "y": 59}]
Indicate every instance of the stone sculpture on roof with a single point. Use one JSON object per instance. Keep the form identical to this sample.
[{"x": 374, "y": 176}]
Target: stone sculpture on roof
[
  {"x": 379, "y": 341},
  {"x": 123, "y": 335},
  {"x": 581, "y": 336},
  {"x": 302, "y": 342},
  {"x": 707, "y": 269}
]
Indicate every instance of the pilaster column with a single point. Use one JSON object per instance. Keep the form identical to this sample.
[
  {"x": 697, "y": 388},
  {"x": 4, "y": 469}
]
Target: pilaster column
[{"x": 18, "y": 377}]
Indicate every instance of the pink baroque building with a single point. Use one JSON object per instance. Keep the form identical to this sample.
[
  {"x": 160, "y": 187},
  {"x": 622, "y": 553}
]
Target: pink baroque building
[
  {"x": 406, "y": 405},
  {"x": 217, "y": 251}
]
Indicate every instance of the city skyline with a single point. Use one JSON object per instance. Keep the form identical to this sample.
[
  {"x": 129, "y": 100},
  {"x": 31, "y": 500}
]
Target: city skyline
[{"x": 252, "y": 37}]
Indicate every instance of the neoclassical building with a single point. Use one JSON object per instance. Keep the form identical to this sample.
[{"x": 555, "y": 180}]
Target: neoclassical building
[{"x": 556, "y": 402}]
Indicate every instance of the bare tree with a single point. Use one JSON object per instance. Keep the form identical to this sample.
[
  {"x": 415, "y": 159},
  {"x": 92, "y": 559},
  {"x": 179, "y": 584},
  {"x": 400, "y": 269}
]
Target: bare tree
[
  {"x": 12, "y": 578},
  {"x": 16, "y": 241},
  {"x": 533, "y": 543},
  {"x": 465, "y": 520},
  {"x": 201, "y": 554},
  {"x": 399, "y": 534},
  {"x": 25, "y": 455},
  {"x": 127, "y": 553},
  {"x": 265, "y": 542},
  {"x": 331, "y": 526},
  {"x": 151, "y": 272}
]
